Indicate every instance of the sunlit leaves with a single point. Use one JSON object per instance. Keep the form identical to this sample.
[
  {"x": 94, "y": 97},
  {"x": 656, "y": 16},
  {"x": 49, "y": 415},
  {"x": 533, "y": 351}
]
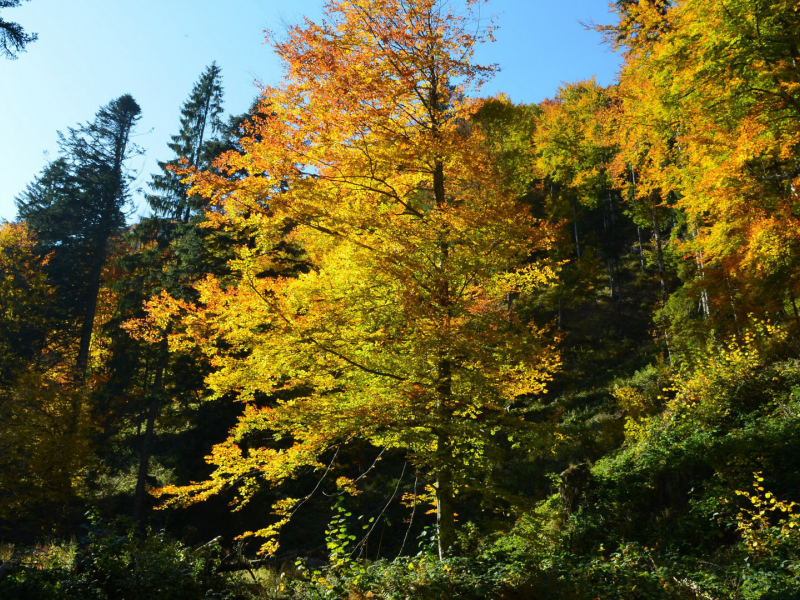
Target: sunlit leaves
[{"x": 401, "y": 328}]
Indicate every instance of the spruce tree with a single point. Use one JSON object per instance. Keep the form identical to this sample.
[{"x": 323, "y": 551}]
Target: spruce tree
[
  {"x": 77, "y": 205},
  {"x": 200, "y": 123},
  {"x": 13, "y": 38},
  {"x": 177, "y": 257}
]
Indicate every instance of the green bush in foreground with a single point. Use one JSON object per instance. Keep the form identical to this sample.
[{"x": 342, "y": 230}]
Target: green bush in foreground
[{"x": 113, "y": 562}]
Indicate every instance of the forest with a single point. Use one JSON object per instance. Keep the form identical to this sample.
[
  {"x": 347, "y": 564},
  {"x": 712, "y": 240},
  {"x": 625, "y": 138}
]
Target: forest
[{"x": 385, "y": 337}]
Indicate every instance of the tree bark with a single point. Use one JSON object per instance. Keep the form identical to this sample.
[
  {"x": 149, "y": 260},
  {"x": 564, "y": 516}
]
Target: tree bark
[
  {"x": 641, "y": 247},
  {"x": 575, "y": 227},
  {"x": 445, "y": 507}
]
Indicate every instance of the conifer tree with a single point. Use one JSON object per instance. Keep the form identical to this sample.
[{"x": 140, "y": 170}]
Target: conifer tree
[
  {"x": 200, "y": 123},
  {"x": 172, "y": 246},
  {"x": 77, "y": 204},
  {"x": 13, "y": 38}
]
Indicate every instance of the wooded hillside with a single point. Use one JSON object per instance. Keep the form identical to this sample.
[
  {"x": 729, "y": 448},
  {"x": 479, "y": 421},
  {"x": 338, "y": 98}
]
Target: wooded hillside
[{"x": 385, "y": 337}]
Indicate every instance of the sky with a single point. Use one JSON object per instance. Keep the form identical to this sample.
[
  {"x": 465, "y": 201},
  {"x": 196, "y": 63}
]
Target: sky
[{"x": 90, "y": 52}]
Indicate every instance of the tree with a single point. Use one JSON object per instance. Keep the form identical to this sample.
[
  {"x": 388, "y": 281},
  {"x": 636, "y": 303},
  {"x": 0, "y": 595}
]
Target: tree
[
  {"x": 13, "y": 38},
  {"x": 43, "y": 423},
  {"x": 574, "y": 145},
  {"x": 403, "y": 331},
  {"x": 200, "y": 123},
  {"x": 171, "y": 254},
  {"x": 26, "y": 301},
  {"x": 708, "y": 124},
  {"x": 76, "y": 205}
]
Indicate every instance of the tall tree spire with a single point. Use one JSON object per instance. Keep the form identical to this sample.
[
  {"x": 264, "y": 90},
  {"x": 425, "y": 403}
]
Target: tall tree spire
[{"x": 200, "y": 123}]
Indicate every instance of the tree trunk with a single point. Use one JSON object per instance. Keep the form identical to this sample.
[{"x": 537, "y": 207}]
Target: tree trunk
[
  {"x": 660, "y": 255},
  {"x": 144, "y": 460},
  {"x": 445, "y": 507},
  {"x": 575, "y": 227},
  {"x": 641, "y": 247},
  {"x": 558, "y": 323},
  {"x": 149, "y": 435},
  {"x": 610, "y": 278},
  {"x": 87, "y": 325},
  {"x": 794, "y": 305}
]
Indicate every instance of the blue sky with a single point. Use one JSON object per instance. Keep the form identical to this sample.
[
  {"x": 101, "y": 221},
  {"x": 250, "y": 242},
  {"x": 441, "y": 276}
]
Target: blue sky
[{"x": 92, "y": 51}]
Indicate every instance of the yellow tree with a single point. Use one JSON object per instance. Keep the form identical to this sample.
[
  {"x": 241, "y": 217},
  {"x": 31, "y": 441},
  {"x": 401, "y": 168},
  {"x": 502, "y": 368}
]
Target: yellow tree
[
  {"x": 402, "y": 330},
  {"x": 710, "y": 119},
  {"x": 44, "y": 423}
]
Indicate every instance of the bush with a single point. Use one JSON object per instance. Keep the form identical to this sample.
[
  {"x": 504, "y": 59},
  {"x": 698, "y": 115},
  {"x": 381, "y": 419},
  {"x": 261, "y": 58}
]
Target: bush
[{"x": 113, "y": 562}]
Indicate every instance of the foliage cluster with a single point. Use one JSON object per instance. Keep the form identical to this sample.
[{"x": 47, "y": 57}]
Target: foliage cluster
[{"x": 114, "y": 561}]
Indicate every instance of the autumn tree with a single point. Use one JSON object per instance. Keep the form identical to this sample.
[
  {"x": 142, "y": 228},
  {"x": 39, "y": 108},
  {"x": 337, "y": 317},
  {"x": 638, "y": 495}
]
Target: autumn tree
[
  {"x": 44, "y": 424},
  {"x": 708, "y": 127},
  {"x": 403, "y": 331},
  {"x": 26, "y": 303}
]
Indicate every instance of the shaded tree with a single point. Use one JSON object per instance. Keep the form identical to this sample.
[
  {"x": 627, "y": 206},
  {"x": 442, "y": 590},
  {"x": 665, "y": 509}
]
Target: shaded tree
[{"x": 77, "y": 204}]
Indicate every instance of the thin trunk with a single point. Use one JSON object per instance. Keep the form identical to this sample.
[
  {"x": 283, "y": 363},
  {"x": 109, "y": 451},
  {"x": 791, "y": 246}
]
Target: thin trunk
[
  {"x": 701, "y": 267},
  {"x": 445, "y": 510},
  {"x": 149, "y": 435},
  {"x": 794, "y": 306},
  {"x": 558, "y": 323},
  {"x": 575, "y": 226},
  {"x": 641, "y": 247},
  {"x": 660, "y": 256},
  {"x": 662, "y": 273},
  {"x": 611, "y": 211},
  {"x": 733, "y": 302},
  {"x": 704, "y": 304},
  {"x": 610, "y": 279}
]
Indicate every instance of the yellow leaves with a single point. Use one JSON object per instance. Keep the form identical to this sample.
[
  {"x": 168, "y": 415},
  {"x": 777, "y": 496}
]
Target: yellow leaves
[
  {"x": 633, "y": 402},
  {"x": 768, "y": 522},
  {"x": 770, "y": 249},
  {"x": 46, "y": 428},
  {"x": 704, "y": 119},
  {"x": 365, "y": 167},
  {"x": 529, "y": 278},
  {"x": 347, "y": 485}
]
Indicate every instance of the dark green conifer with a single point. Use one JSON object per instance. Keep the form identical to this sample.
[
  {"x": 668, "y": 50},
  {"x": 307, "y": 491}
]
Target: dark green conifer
[
  {"x": 13, "y": 38},
  {"x": 200, "y": 124},
  {"x": 77, "y": 205}
]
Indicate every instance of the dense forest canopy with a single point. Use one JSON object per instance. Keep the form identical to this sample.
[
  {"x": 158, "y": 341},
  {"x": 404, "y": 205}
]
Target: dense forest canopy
[{"x": 385, "y": 337}]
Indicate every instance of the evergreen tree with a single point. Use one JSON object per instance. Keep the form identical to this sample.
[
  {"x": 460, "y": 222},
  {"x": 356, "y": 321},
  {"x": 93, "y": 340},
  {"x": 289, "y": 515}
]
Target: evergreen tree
[
  {"x": 13, "y": 38},
  {"x": 170, "y": 258},
  {"x": 77, "y": 204},
  {"x": 200, "y": 123}
]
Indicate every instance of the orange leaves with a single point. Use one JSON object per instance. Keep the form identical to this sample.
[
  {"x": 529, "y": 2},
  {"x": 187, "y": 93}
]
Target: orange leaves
[
  {"x": 367, "y": 168},
  {"x": 706, "y": 125}
]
